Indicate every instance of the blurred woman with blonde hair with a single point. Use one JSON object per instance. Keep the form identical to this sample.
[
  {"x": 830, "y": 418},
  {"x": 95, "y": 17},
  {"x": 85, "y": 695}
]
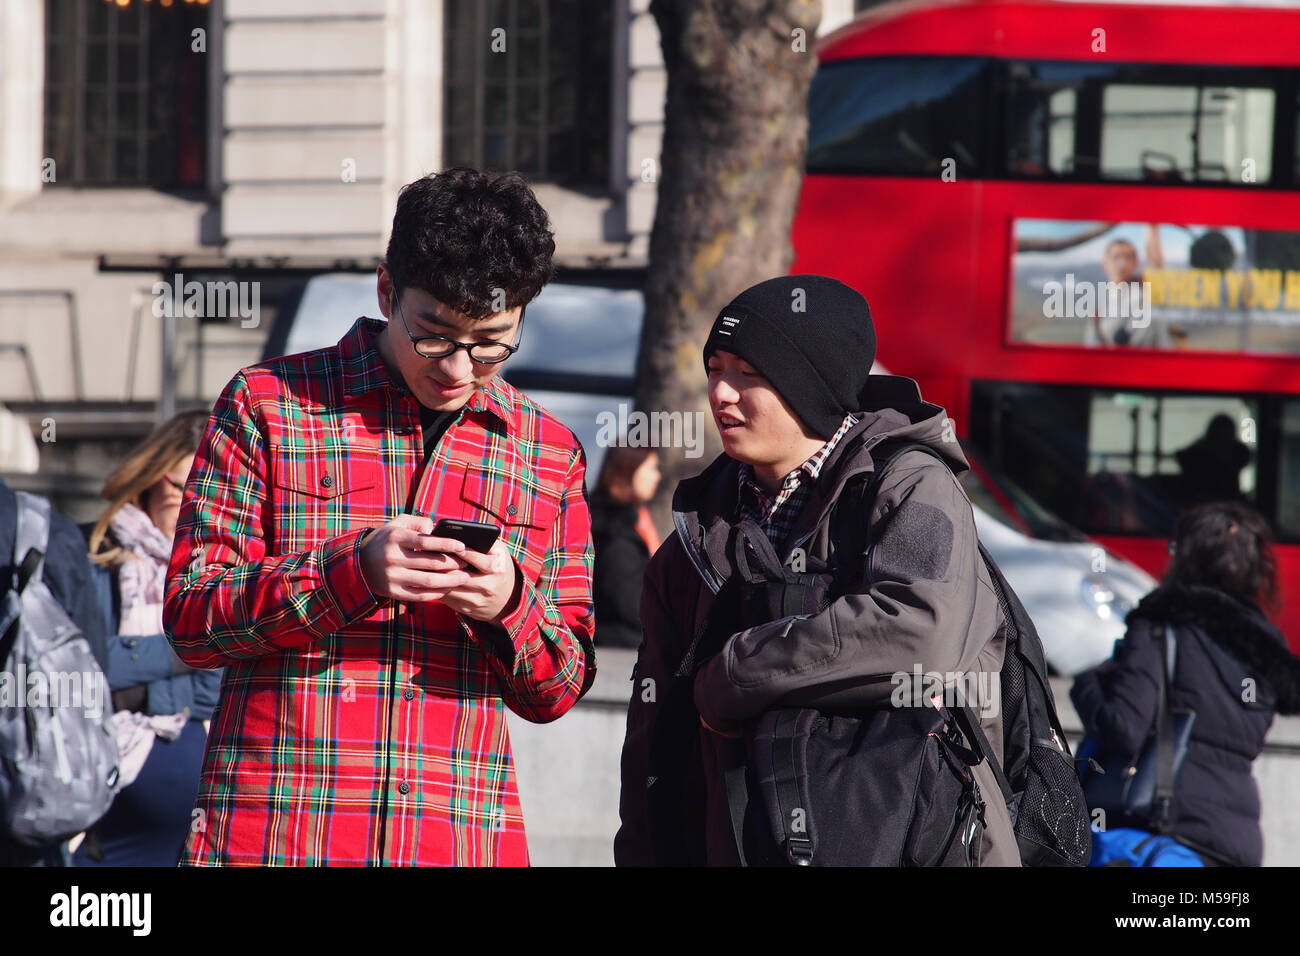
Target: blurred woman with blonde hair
[{"x": 161, "y": 705}]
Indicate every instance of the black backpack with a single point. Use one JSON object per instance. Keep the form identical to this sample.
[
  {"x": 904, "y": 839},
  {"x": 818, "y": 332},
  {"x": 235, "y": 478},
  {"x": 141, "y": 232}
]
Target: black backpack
[{"x": 812, "y": 776}]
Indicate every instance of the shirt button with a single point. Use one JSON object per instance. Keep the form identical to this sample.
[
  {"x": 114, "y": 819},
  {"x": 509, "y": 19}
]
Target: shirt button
[
  {"x": 512, "y": 511},
  {"x": 403, "y": 788},
  {"x": 327, "y": 482},
  {"x": 408, "y": 694}
]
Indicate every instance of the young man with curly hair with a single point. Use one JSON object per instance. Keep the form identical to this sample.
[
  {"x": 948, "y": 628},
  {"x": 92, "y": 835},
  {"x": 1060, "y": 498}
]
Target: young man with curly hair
[{"x": 368, "y": 662}]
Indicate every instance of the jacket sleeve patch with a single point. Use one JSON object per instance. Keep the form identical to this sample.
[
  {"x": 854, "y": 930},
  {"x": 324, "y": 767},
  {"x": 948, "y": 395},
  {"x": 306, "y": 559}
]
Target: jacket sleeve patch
[{"x": 917, "y": 543}]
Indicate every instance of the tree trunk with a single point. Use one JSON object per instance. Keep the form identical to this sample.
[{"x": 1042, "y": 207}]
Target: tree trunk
[{"x": 735, "y": 135}]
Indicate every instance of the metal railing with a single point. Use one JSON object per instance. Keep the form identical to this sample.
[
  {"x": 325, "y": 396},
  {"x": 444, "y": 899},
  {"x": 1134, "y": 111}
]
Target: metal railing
[
  {"x": 180, "y": 348},
  {"x": 74, "y": 335}
]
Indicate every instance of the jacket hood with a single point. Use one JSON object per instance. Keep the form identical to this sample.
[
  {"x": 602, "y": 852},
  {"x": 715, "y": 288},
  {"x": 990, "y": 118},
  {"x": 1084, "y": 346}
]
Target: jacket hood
[
  {"x": 1239, "y": 628},
  {"x": 891, "y": 410},
  {"x": 917, "y": 420}
]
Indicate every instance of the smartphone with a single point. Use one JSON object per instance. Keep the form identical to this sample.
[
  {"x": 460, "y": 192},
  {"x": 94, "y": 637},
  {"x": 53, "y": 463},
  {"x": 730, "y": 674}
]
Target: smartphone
[{"x": 476, "y": 535}]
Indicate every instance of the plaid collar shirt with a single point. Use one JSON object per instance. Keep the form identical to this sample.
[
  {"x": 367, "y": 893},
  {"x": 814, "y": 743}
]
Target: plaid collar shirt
[
  {"x": 353, "y": 729},
  {"x": 775, "y": 514}
]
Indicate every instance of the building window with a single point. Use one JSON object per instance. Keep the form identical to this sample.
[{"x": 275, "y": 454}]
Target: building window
[
  {"x": 126, "y": 98},
  {"x": 528, "y": 88}
]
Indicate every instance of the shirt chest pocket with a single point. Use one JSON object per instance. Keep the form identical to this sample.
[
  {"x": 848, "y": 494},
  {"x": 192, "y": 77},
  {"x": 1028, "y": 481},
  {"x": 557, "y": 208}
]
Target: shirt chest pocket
[
  {"x": 521, "y": 507},
  {"x": 321, "y": 491}
]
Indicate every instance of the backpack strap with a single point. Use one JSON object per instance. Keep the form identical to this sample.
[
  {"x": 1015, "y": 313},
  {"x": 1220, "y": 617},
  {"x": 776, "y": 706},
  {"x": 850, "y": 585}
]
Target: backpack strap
[
  {"x": 733, "y": 780},
  {"x": 1162, "y": 800},
  {"x": 781, "y": 748},
  {"x": 31, "y": 539},
  {"x": 798, "y": 847},
  {"x": 970, "y": 726}
]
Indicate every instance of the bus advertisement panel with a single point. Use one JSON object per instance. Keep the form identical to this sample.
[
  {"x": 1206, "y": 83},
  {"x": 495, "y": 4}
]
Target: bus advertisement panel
[{"x": 1155, "y": 285}]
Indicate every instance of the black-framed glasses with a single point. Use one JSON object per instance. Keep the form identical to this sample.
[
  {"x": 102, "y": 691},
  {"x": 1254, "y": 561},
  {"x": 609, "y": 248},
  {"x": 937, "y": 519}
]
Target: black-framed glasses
[{"x": 439, "y": 346}]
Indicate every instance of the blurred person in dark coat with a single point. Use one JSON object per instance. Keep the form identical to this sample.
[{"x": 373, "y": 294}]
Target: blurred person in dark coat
[
  {"x": 1233, "y": 668},
  {"x": 624, "y": 537}
]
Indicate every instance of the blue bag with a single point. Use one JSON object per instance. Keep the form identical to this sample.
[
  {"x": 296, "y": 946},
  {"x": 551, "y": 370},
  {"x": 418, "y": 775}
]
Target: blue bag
[{"x": 1126, "y": 847}]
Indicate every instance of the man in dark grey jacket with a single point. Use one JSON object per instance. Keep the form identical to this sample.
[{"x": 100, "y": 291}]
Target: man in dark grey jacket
[{"x": 789, "y": 387}]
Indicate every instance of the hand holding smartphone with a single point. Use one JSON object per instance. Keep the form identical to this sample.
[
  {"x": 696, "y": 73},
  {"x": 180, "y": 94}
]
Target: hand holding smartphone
[
  {"x": 397, "y": 562},
  {"x": 494, "y": 585},
  {"x": 470, "y": 571}
]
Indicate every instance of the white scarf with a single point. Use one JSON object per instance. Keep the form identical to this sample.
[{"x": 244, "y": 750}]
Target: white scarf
[{"x": 140, "y": 580}]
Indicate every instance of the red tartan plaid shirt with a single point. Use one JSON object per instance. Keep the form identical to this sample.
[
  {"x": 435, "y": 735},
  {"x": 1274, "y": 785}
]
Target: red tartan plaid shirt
[{"x": 353, "y": 729}]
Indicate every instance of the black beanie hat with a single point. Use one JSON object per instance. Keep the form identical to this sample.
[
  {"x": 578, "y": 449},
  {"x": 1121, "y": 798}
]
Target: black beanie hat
[{"x": 810, "y": 336}]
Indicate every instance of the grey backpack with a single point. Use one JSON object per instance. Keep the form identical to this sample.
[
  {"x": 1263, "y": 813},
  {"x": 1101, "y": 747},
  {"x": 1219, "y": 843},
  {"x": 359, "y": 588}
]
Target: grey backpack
[{"x": 58, "y": 754}]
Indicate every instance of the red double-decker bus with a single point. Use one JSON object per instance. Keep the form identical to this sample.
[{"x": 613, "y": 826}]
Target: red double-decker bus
[{"x": 1078, "y": 227}]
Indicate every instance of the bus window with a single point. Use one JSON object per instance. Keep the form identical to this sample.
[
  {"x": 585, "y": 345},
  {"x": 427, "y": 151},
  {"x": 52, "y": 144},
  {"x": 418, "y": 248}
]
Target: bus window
[
  {"x": 1288, "y": 505},
  {"x": 1185, "y": 449},
  {"x": 1295, "y": 153},
  {"x": 1119, "y": 462},
  {"x": 1040, "y": 103},
  {"x": 897, "y": 116},
  {"x": 1138, "y": 123},
  {"x": 1198, "y": 133}
]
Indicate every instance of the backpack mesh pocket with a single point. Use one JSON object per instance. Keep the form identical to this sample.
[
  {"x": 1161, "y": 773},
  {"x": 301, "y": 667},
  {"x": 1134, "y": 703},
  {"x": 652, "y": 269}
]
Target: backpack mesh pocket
[{"x": 1050, "y": 814}]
